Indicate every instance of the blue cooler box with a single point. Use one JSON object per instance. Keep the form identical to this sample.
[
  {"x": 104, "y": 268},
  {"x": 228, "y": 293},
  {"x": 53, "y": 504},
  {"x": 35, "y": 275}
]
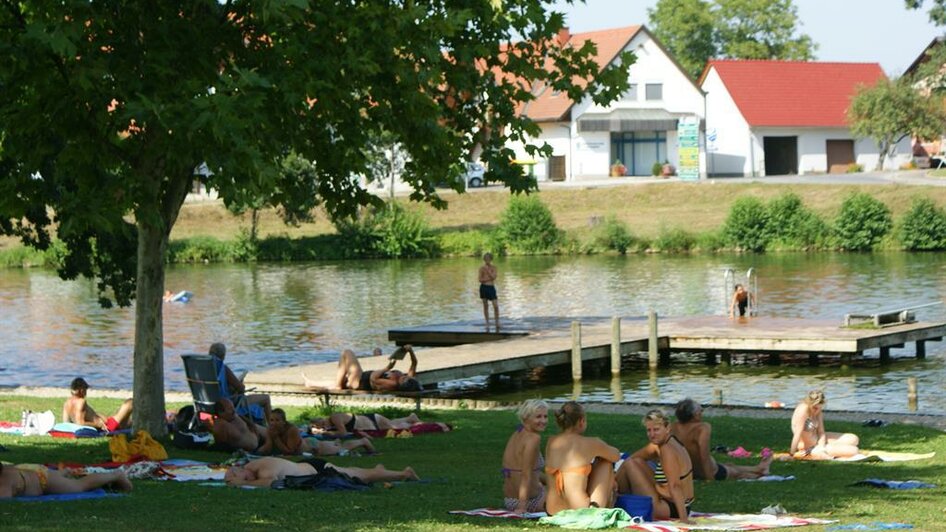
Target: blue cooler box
[{"x": 636, "y": 506}]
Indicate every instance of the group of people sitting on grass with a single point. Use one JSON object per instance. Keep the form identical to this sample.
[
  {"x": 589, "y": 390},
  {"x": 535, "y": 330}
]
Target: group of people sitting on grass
[{"x": 579, "y": 471}]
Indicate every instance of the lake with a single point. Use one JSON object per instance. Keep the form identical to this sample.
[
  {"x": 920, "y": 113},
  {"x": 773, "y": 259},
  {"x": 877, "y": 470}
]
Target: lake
[{"x": 288, "y": 314}]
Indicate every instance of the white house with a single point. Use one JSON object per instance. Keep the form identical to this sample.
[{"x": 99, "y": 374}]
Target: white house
[
  {"x": 640, "y": 129},
  {"x": 786, "y": 117}
]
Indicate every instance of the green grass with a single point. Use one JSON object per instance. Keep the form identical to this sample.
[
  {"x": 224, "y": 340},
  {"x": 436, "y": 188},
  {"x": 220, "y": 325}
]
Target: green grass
[{"x": 463, "y": 467}]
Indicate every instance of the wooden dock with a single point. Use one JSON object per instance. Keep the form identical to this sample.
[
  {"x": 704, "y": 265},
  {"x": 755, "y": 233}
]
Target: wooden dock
[{"x": 466, "y": 349}]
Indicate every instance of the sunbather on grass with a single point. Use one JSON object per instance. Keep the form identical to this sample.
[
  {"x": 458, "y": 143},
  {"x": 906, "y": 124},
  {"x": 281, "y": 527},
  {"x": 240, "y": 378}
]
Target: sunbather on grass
[
  {"x": 809, "y": 438},
  {"x": 264, "y": 471},
  {"x": 343, "y": 423},
  {"x": 523, "y": 479},
  {"x": 77, "y": 410},
  {"x": 580, "y": 469},
  {"x": 284, "y": 438},
  {"x": 694, "y": 434},
  {"x": 230, "y": 430},
  {"x": 34, "y": 480}
]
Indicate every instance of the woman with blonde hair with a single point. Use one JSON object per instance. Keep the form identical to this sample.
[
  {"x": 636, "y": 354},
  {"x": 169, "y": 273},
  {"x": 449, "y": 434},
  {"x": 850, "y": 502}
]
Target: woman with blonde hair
[
  {"x": 523, "y": 486},
  {"x": 580, "y": 469},
  {"x": 809, "y": 439},
  {"x": 661, "y": 470}
]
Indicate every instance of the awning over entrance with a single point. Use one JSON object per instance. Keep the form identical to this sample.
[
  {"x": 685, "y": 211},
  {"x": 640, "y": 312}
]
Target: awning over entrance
[{"x": 630, "y": 120}]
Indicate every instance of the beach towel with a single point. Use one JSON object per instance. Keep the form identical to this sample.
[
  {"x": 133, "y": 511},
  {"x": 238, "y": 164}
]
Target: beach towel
[
  {"x": 498, "y": 512},
  {"x": 769, "y": 478},
  {"x": 864, "y": 456},
  {"x": 590, "y": 518},
  {"x": 94, "y": 494},
  {"x": 877, "y": 525},
  {"x": 73, "y": 430},
  {"x": 708, "y": 521},
  {"x": 893, "y": 484}
]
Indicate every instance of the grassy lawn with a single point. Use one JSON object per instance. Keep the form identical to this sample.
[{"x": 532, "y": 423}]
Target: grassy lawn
[
  {"x": 462, "y": 469},
  {"x": 646, "y": 208}
]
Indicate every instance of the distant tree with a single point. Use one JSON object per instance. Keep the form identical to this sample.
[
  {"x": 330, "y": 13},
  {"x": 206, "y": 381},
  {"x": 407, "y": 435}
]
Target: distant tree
[
  {"x": 697, "y": 30},
  {"x": 108, "y": 107},
  {"x": 937, "y": 10},
  {"x": 890, "y": 111},
  {"x": 687, "y": 28},
  {"x": 761, "y": 29}
]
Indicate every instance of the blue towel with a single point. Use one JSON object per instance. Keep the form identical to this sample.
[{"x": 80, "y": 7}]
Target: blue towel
[
  {"x": 877, "y": 525},
  {"x": 893, "y": 484},
  {"x": 94, "y": 494}
]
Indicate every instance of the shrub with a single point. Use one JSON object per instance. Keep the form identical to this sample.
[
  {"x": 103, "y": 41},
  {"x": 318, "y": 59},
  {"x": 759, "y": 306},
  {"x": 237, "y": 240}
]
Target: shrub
[
  {"x": 923, "y": 227},
  {"x": 613, "y": 234},
  {"x": 793, "y": 225},
  {"x": 656, "y": 169},
  {"x": 391, "y": 232},
  {"x": 747, "y": 226},
  {"x": 199, "y": 249},
  {"x": 862, "y": 222},
  {"x": 527, "y": 226},
  {"x": 855, "y": 168},
  {"x": 470, "y": 243},
  {"x": 674, "y": 240}
]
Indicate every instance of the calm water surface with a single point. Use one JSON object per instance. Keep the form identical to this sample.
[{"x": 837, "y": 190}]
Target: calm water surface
[{"x": 270, "y": 315}]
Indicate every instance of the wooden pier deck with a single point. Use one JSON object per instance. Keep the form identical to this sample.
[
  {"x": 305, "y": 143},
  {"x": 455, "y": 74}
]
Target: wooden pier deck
[
  {"x": 518, "y": 350},
  {"x": 465, "y": 349}
]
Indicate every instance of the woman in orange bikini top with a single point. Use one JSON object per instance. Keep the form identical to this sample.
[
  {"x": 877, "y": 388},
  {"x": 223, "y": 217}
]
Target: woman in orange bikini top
[{"x": 580, "y": 469}]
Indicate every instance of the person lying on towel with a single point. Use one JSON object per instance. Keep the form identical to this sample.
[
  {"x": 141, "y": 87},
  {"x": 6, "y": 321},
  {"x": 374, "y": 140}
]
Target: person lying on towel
[
  {"x": 344, "y": 423},
  {"x": 35, "y": 480},
  {"x": 284, "y": 438},
  {"x": 262, "y": 472}
]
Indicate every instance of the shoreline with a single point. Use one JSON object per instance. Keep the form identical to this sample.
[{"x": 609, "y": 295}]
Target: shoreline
[{"x": 933, "y": 421}]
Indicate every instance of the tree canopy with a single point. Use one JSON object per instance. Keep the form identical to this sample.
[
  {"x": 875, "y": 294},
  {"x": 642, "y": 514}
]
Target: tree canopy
[
  {"x": 892, "y": 110},
  {"x": 937, "y": 10},
  {"x": 108, "y": 108},
  {"x": 698, "y": 30}
]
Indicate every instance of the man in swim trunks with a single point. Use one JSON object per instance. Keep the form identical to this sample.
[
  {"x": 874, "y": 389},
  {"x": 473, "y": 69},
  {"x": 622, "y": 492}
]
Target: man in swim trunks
[
  {"x": 487, "y": 278},
  {"x": 230, "y": 430},
  {"x": 77, "y": 410},
  {"x": 263, "y": 472},
  {"x": 34, "y": 480},
  {"x": 694, "y": 434}
]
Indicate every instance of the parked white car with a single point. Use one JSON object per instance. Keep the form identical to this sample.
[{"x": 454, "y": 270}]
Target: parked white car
[{"x": 474, "y": 175}]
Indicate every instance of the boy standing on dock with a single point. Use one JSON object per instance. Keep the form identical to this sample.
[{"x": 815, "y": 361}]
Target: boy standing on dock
[{"x": 487, "y": 278}]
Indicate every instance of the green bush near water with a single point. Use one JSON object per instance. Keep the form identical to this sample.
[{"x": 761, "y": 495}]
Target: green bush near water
[
  {"x": 747, "y": 226},
  {"x": 923, "y": 227},
  {"x": 793, "y": 226},
  {"x": 389, "y": 232},
  {"x": 527, "y": 227},
  {"x": 674, "y": 240},
  {"x": 862, "y": 223},
  {"x": 613, "y": 234}
]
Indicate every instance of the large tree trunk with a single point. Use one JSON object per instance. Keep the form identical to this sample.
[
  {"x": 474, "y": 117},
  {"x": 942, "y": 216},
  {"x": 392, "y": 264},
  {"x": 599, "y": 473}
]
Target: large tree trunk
[{"x": 149, "y": 331}]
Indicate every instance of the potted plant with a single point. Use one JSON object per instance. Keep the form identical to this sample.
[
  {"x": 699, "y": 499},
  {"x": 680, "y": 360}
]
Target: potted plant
[
  {"x": 618, "y": 169},
  {"x": 656, "y": 169}
]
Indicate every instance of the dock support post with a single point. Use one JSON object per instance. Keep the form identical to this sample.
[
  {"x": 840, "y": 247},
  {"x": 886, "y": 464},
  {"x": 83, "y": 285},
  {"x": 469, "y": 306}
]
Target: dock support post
[
  {"x": 911, "y": 393},
  {"x": 726, "y": 358},
  {"x": 812, "y": 359},
  {"x": 920, "y": 349},
  {"x": 717, "y": 397},
  {"x": 617, "y": 390},
  {"x": 885, "y": 355},
  {"x": 576, "y": 351},
  {"x": 615, "y": 347},
  {"x": 652, "y": 339},
  {"x": 710, "y": 358},
  {"x": 846, "y": 359}
]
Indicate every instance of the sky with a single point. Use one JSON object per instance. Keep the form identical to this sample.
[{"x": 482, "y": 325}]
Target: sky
[{"x": 871, "y": 31}]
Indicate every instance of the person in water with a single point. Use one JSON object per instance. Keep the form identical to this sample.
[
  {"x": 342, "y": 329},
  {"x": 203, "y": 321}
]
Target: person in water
[
  {"x": 741, "y": 300},
  {"x": 580, "y": 469},
  {"x": 661, "y": 470},
  {"x": 523, "y": 482}
]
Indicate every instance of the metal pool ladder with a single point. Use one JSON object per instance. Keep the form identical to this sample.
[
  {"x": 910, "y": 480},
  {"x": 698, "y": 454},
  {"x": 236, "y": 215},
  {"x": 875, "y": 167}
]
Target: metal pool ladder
[{"x": 752, "y": 285}]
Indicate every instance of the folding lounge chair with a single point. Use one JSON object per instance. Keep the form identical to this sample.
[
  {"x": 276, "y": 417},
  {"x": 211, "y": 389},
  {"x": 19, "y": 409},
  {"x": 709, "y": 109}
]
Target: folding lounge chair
[{"x": 206, "y": 389}]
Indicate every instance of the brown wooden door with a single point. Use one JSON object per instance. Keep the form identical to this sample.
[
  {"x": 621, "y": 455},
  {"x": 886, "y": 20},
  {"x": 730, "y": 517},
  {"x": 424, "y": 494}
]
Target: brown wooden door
[
  {"x": 557, "y": 168},
  {"x": 840, "y": 155}
]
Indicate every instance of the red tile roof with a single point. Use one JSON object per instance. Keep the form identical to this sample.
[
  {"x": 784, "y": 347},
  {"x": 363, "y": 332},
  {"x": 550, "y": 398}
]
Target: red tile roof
[
  {"x": 793, "y": 93},
  {"x": 553, "y": 107}
]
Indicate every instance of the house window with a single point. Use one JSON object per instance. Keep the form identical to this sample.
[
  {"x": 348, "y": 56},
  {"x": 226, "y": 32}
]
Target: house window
[
  {"x": 654, "y": 91},
  {"x": 631, "y": 94},
  {"x": 639, "y": 150}
]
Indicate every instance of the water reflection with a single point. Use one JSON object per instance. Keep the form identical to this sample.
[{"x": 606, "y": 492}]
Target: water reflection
[{"x": 276, "y": 314}]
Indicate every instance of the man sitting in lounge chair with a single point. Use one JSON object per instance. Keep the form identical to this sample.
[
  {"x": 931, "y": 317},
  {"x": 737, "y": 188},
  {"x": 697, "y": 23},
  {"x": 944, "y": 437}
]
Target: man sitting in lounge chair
[
  {"x": 232, "y": 386},
  {"x": 232, "y": 431},
  {"x": 263, "y": 472}
]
